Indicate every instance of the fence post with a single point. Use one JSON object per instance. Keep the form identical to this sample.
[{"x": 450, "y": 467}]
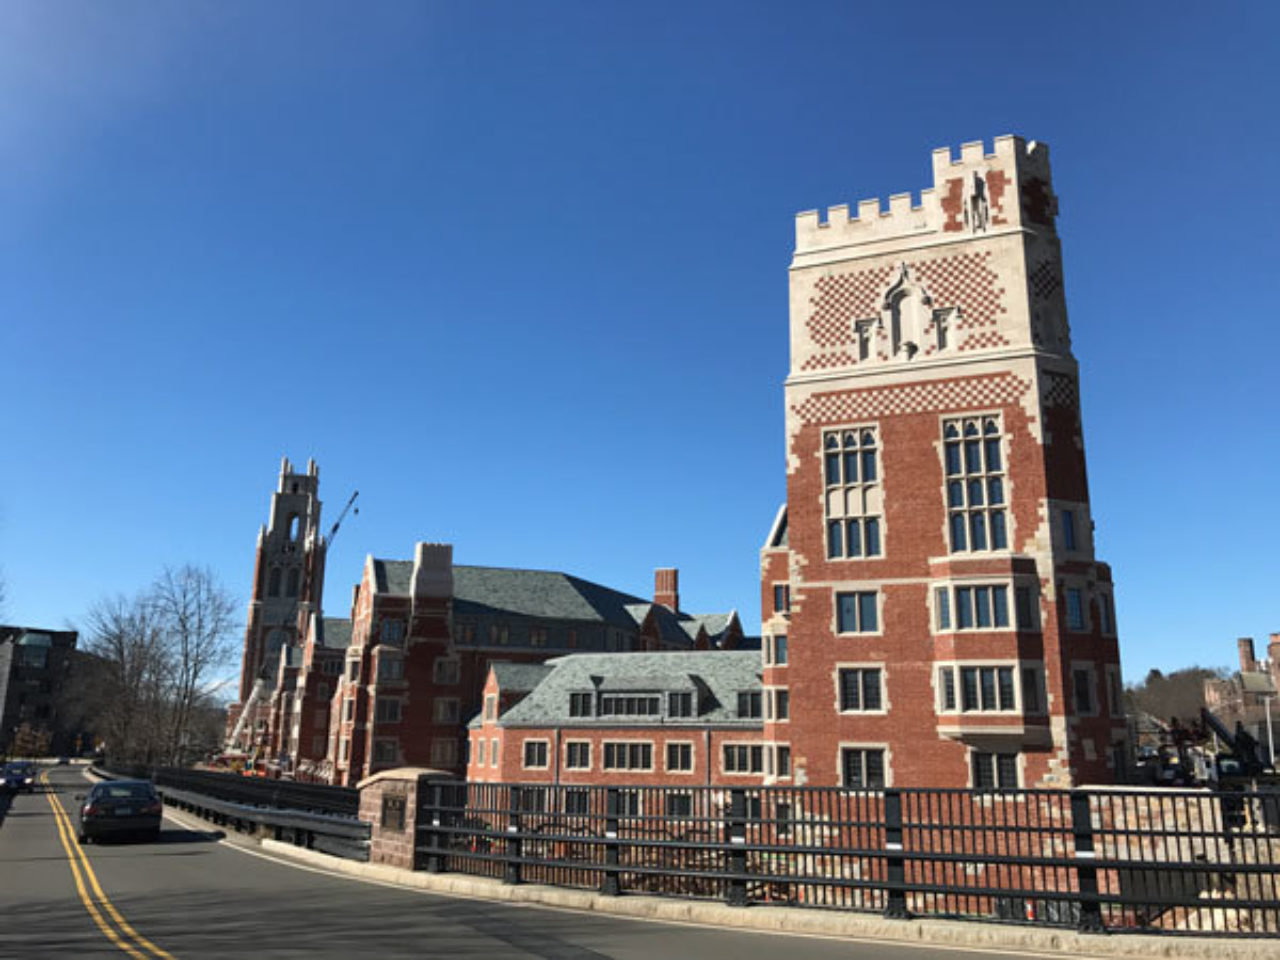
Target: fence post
[
  {"x": 514, "y": 845},
  {"x": 428, "y": 822},
  {"x": 609, "y": 885},
  {"x": 896, "y": 866},
  {"x": 736, "y": 837},
  {"x": 1086, "y": 872}
]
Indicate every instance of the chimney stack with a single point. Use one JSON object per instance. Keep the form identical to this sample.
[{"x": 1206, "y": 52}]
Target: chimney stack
[
  {"x": 666, "y": 587},
  {"x": 1247, "y": 663},
  {"x": 433, "y": 570}
]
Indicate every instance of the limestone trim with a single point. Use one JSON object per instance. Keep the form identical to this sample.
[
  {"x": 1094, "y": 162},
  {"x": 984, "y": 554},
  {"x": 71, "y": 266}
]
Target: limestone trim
[
  {"x": 840, "y": 667},
  {"x": 864, "y": 745}
]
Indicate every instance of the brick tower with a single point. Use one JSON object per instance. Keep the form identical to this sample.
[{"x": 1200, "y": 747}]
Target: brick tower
[
  {"x": 934, "y": 614},
  {"x": 288, "y": 575}
]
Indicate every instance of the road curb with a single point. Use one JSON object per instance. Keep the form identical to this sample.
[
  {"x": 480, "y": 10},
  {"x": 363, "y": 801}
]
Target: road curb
[
  {"x": 793, "y": 920},
  {"x": 970, "y": 935}
]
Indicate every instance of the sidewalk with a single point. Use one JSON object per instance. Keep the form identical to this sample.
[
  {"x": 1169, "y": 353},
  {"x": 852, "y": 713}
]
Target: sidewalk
[{"x": 791, "y": 920}]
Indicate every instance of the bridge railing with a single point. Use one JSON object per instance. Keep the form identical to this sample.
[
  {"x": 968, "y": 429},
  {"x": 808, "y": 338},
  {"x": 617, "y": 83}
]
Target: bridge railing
[
  {"x": 308, "y": 815},
  {"x": 1116, "y": 860}
]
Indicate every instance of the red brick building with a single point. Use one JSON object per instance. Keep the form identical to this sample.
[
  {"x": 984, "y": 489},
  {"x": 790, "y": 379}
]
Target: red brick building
[
  {"x": 424, "y": 632},
  {"x": 646, "y": 719},
  {"x": 934, "y": 614}
]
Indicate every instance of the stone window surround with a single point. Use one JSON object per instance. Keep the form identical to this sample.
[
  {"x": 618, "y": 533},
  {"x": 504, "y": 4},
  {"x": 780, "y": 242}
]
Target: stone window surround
[
  {"x": 1076, "y": 583},
  {"x": 524, "y": 754},
  {"x": 857, "y": 586},
  {"x": 726, "y": 744},
  {"x": 1004, "y": 474},
  {"x": 693, "y": 758},
  {"x": 842, "y": 665},
  {"x": 590, "y": 755},
  {"x": 772, "y": 750},
  {"x": 1020, "y": 766},
  {"x": 882, "y": 746},
  {"x": 770, "y": 698},
  {"x": 882, "y": 536},
  {"x": 1095, "y": 704},
  {"x": 605, "y": 744},
  {"x": 956, "y": 665}
]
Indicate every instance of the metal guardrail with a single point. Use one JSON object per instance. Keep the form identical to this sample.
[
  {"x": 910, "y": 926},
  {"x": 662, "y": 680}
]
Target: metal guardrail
[
  {"x": 1096, "y": 860},
  {"x": 258, "y": 791},
  {"x": 301, "y": 814}
]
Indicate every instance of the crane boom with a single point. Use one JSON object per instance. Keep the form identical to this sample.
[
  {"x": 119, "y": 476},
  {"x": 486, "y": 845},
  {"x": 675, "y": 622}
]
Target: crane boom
[{"x": 333, "y": 531}]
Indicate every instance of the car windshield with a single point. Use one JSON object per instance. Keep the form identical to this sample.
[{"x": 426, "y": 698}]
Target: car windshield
[{"x": 123, "y": 791}]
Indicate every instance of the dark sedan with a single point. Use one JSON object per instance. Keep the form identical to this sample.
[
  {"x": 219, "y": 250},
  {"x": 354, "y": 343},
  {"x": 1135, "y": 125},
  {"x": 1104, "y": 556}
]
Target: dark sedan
[
  {"x": 18, "y": 776},
  {"x": 119, "y": 807}
]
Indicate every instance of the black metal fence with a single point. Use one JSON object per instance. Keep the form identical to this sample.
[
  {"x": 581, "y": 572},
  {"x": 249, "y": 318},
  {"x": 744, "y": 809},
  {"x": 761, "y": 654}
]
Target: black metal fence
[{"x": 1116, "y": 860}]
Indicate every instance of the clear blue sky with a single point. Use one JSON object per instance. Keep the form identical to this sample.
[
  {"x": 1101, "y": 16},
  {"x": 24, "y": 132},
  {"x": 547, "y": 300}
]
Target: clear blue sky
[{"x": 517, "y": 272}]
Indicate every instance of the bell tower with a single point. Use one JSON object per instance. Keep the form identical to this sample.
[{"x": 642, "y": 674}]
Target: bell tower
[{"x": 288, "y": 577}]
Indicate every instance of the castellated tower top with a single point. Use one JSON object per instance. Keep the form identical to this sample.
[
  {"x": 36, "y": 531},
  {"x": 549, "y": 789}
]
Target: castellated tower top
[{"x": 1008, "y": 189}]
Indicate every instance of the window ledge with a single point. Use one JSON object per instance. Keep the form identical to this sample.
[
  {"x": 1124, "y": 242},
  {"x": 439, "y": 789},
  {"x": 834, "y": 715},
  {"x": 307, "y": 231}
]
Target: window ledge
[{"x": 1034, "y": 734}]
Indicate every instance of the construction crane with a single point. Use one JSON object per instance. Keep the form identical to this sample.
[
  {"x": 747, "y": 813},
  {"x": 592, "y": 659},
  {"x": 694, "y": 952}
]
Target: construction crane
[{"x": 333, "y": 531}]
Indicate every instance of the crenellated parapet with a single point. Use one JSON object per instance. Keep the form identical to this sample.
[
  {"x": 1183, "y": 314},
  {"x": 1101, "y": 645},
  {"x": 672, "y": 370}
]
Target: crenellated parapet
[{"x": 976, "y": 192}]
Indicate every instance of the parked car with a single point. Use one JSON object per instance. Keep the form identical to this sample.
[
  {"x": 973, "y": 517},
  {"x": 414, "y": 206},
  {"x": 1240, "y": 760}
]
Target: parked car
[
  {"x": 18, "y": 776},
  {"x": 118, "y": 807}
]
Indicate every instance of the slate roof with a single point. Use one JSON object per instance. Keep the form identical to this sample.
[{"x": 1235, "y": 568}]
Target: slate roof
[
  {"x": 549, "y": 595},
  {"x": 1257, "y": 682},
  {"x": 718, "y": 676},
  {"x": 519, "y": 677},
  {"x": 335, "y": 633}
]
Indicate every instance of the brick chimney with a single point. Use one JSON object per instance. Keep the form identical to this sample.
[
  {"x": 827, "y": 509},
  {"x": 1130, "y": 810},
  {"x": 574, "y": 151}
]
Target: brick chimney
[
  {"x": 666, "y": 587},
  {"x": 1273, "y": 652},
  {"x": 1247, "y": 662}
]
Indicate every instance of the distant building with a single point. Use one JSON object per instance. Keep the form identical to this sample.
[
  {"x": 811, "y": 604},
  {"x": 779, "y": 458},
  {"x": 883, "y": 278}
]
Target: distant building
[
  {"x": 692, "y": 718},
  {"x": 424, "y": 633},
  {"x": 35, "y": 665},
  {"x": 288, "y": 582},
  {"x": 1247, "y": 695}
]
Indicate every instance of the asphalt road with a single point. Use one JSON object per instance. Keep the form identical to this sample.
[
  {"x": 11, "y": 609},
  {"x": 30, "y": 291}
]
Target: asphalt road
[{"x": 189, "y": 896}]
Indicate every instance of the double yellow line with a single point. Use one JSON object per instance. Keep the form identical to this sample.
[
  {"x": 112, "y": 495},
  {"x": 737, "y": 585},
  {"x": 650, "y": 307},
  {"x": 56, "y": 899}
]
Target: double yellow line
[{"x": 101, "y": 909}]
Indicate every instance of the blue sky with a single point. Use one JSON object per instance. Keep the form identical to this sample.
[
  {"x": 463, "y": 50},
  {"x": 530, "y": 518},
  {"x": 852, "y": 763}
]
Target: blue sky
[{"x": 517, "y": 272}]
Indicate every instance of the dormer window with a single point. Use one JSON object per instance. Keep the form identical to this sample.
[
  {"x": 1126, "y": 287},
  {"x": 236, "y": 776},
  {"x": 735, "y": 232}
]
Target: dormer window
[
  {"x": 680, "y": 704},
  {"x": 630, "y": 705},
  {"x": 749, "y": 705},
  {"x": 580, "y": 704}
]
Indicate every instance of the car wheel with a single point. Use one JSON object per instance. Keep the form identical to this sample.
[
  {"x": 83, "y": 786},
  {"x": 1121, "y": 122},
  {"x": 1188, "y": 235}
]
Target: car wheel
[{"x": 82, "y": 838}]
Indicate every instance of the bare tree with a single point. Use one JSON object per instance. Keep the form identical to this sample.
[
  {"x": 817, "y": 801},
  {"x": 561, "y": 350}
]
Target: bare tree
[
  {"x": 1177, "y": 694},
  {"x": 196, "y": 619},
  {"x": 129, "y": 707}
]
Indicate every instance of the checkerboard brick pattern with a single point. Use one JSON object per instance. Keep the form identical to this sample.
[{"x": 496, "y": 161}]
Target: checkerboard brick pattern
[
  {"x": 964, "y": 280},
  {"x": 1060, "y": 391},
  {"x": 1045, "y": 279},
  {"x": 967, "y": 393},
  {"x": 843, "y": 298},
  {"x": 984, "y": 340}
]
